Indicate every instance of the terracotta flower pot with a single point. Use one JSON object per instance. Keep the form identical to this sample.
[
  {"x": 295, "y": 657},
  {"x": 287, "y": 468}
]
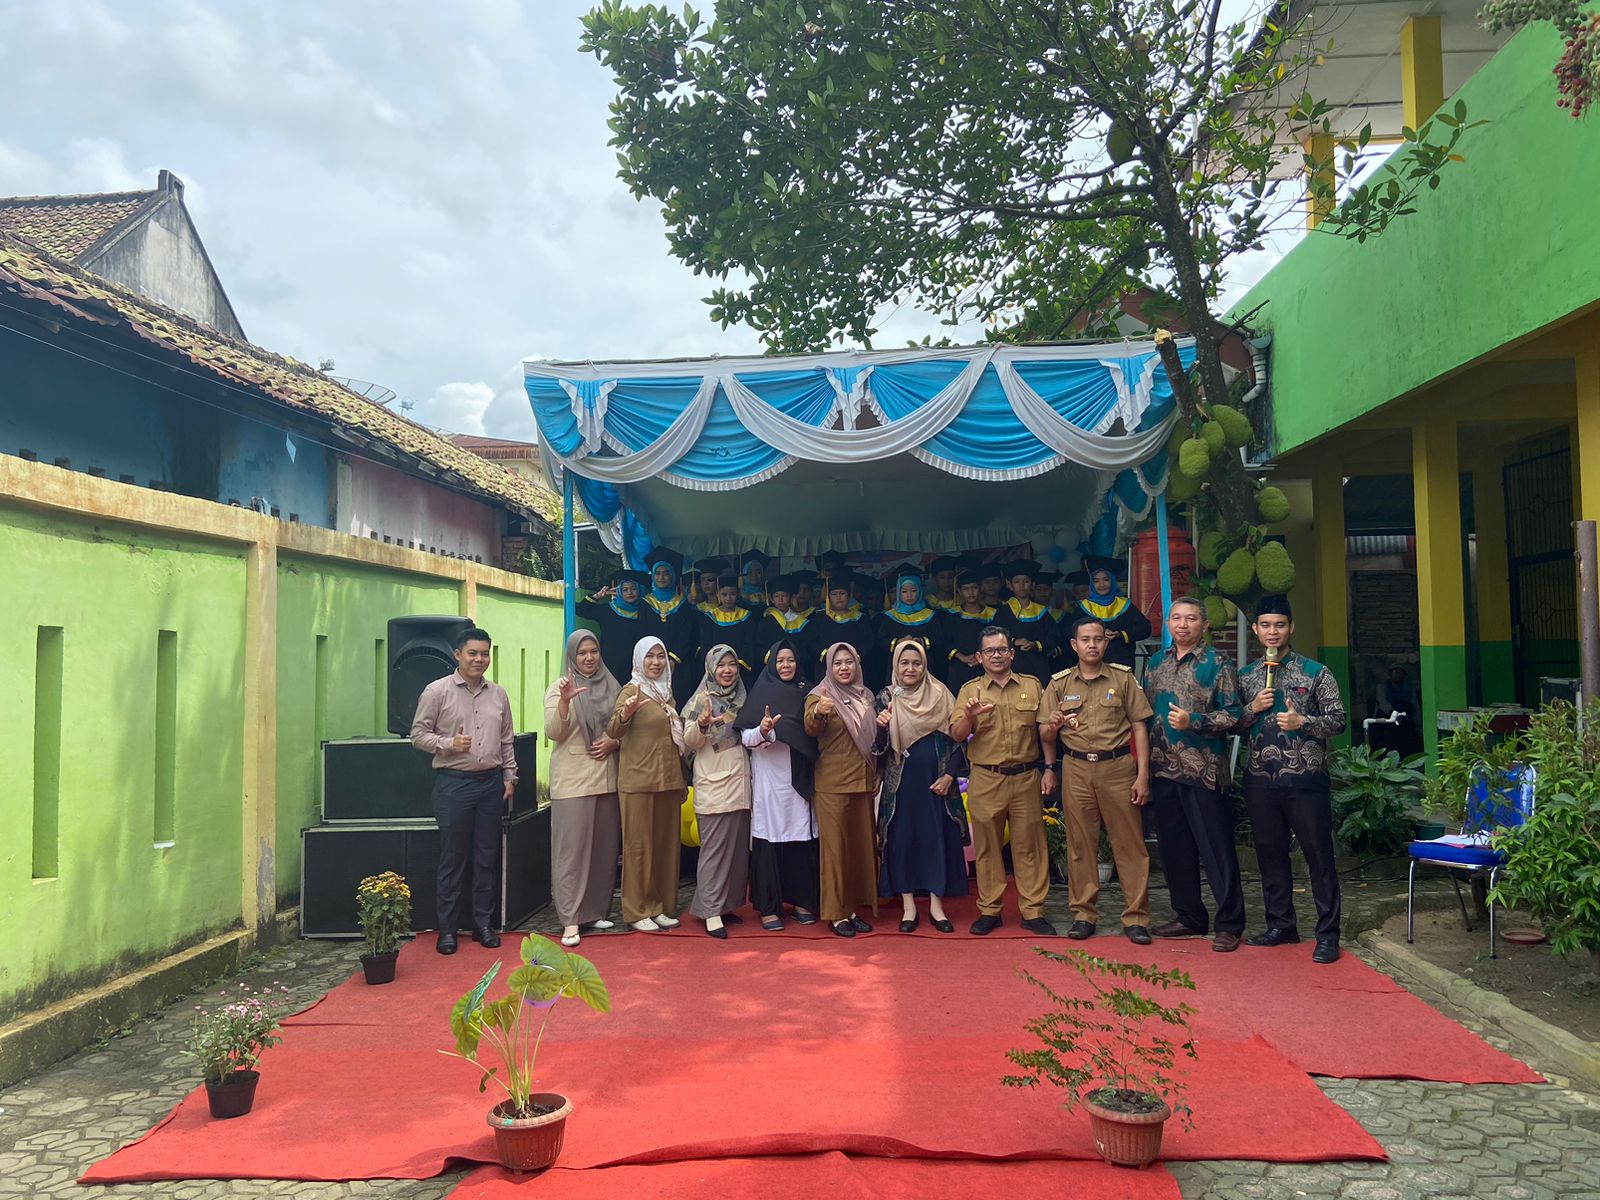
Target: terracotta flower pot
[
  {"x": 234, "y": 1096},
  {"x": 530, "y": 1143},
  {"x": 379, "y": 968},
  {"x": 1126, "y": 1139}
]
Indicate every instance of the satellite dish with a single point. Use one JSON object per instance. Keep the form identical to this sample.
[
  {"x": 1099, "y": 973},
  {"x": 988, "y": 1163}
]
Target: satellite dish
[{"x": 375, "y": 392}]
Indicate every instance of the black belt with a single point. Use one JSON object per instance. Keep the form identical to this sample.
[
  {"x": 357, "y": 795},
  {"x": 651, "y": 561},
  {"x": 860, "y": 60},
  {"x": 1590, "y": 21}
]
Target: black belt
[
  {"x": 454, "y": 774},
  {"x": 1099, "y": 755},
  {"x": 1008, "y": 768}
]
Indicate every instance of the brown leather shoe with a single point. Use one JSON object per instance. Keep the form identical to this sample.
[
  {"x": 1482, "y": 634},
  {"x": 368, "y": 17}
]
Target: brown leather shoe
[
  {"x": 1225, "y": 943},
  {"x": 1175, "y": 929}
]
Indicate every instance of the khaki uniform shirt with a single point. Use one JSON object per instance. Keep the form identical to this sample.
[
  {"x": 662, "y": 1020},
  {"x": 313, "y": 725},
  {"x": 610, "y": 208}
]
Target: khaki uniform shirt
[
  {"x": 1107, "y": 706},
  {"x": 1009, "y": 734},
  {"x": 840, "y": 767},
  {"x": 446, "y": 707},
  {"x": 649, "y": 760},
  {"x": 572, "y": 772}
]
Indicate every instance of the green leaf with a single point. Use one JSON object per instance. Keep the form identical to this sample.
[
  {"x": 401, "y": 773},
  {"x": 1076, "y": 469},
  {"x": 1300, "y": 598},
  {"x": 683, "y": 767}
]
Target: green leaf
[{"x": 585, "y": 984}]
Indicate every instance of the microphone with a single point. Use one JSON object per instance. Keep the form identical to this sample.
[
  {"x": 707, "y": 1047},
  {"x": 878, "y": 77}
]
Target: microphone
[{"x": 1272, "y": 664}]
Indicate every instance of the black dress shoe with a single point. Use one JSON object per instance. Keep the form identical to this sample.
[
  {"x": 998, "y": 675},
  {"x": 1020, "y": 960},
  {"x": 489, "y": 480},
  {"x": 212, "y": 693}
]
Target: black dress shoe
[
  {"x": 1327, "y": 951},
  {"x": 985, "y": 924},
  {"x": 843, "y": 928},
  {"x": 718, "y": 932},
  {"x": 942, "y": 924},
  {"x": 1274, "y": 937},
  {"x": 732, "y": 919},
  {"x": 447, "y": 943},
  {"x": 1080, "y": 930},
  {"x": 860, "y": 925},
  {"x": 910, "y": 925},
  {"x": 1139, "y": 935},
  {"x": 1040, "y": 926},
  {"x": 486, "y": 937}
]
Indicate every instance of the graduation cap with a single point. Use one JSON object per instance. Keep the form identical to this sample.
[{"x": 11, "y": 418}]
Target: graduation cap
[
  {"x": 1021, "y": 566},
  {"x": 727, "y": 580},
  {"x": 628, "y": 576},
  {"x": 796, "y": 578},
  {"x": 945, "y": 562},
  {"x": 660, "y": 554},
  {"x": 843, "y": 579},
  {"x": 1099, "y": 562},
  {"x": 756, "y": 557},
  {"x": 830, "y": 560},
  {"x": 711, "y": 566},
  {"x": 1050, "y": 577},
  {"x": 990, "y": 571},
  {"x": 781, "y": 583},
  {"x": 1078, "y": 578},
  {"x": 906, "y": 570}
]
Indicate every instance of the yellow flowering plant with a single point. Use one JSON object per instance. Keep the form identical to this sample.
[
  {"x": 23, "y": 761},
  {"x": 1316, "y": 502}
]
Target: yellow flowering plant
[
  {"x": 1055, "y": 837},
  {"x": 383, "y": 907}
]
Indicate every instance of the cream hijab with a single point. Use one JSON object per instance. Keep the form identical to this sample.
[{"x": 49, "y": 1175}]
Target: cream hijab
[
  {"x": 659, "y": 690},
  {"x": 916, "y": 711}
]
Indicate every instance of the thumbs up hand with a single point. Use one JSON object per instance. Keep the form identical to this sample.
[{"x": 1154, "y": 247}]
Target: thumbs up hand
[
  {"x": 1292, "y": 719},
  {"x": 768, "y": 720},
  {"x": 885, "y": 717},
  {"x": 1179, "y": 718},
  {"x": 462, "y": 742}
]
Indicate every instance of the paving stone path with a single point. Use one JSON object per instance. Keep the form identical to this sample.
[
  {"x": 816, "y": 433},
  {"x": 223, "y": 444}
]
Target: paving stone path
[{"x": 1526, "y": 1142}]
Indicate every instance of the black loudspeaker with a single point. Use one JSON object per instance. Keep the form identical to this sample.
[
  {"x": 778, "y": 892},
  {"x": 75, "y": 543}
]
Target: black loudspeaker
[
  {"x": 389, "y": 779},
  {"x": 421, "y": 649},
  {"x": 336, "y": 858}
]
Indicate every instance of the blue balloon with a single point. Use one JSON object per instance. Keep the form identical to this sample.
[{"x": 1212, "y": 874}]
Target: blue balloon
[{"x": 1056, "y": 553}]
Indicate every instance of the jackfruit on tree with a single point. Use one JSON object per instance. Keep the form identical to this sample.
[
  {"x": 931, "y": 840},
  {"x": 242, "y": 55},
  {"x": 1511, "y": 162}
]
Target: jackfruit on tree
[
  {"x": 1235, "y": 425},
  {"x": 1194, "y": 458},
  {"x": 1214, "y": 438},
  {"x": 1119, "y": 143},
  {"x": 1180, "y": 487},
  {"x": 1216, "y": 611},
  {"x": 1180, "y": 435},
  {"x": 1272, "y": 504},
  {"x": 1237, "y": 573},
  {"x": 1211, "y": 550},
  {"x": 1274, "y": 568}
]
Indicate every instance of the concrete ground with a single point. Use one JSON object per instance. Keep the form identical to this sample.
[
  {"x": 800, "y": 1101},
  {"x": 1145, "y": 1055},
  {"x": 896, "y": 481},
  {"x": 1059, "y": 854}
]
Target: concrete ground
[{"x": 1444, "y": 1140}]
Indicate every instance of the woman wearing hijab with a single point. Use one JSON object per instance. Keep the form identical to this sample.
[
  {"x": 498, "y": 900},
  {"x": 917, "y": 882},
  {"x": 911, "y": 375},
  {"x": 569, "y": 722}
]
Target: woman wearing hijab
[
  {"x": 1125, "y": 625},
  {"x": 909, "y": 616},
  {"x": 584, "y": 826},
  {"x": 840, "y": 714},
  {"x": 721, "y": 790},
  {"x": 650, "y": 790},
  {"x": 920, "y": 818},
  {"x": 784, "y": 866}
]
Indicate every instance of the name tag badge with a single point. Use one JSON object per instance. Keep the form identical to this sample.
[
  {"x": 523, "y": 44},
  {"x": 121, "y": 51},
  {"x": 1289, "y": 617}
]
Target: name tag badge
[{"x": 1070, "y": 699}]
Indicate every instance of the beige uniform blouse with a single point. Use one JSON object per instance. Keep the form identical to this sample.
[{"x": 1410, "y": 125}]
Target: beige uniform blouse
[
  {"x": 648, "y": 761},
  {"x": 572, "y": 772},
  {"x": 721, "y": 777},
  {"x": 840, "y": 767}
]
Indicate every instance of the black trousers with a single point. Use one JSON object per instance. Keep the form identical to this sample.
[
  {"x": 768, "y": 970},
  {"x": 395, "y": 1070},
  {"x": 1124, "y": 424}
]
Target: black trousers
[
  {"x": 468, "y": 808},
  {"x": 1275, "y": 813},
  {"x": 784, "y": 872},
  {"x": 1194, "y": 826}
]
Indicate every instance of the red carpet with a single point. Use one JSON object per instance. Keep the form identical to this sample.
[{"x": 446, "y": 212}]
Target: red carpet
[
  {"x": 834, "y": 1175},
  {"x": 885, "y": 1045}
]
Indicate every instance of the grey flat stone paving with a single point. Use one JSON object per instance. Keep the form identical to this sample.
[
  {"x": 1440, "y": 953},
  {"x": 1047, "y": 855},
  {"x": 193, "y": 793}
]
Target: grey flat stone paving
[{"x": 1524, "y": 1142}]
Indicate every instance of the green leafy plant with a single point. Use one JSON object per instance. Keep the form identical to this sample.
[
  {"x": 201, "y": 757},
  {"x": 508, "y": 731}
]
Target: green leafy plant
[
  {"x": 1460, "y": 757},
  {"x": 383, "y": 909},
  {"x": 1553, "y": 860},
  {"x": 1055, "y": 837},
  {"x": 1373, "y": 794},
  {"x": 513, "y": 1026},
  {"x": 1117, "y": 1046},
  {"x": 231, "y": 1035}
]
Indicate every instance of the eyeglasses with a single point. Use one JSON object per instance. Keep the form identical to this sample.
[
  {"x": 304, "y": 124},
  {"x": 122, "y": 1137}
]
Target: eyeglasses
[{"x": 995, "y": 651}]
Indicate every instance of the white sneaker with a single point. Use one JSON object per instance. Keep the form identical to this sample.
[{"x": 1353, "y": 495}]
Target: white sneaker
[
  {"x": 647, "y": 926},
  {"x": 569, "y": 936},
  {"x": 666, "y": 922},
  {"x": 602, "y": 923}
]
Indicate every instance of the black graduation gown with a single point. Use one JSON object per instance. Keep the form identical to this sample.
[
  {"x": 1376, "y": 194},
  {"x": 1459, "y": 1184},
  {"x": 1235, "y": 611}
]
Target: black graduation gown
[
  {"x": 772, "y": 629},
  {"x": 857, "y": 633},
  {"x": 678, "y": 627},
  {"x": 619, "y": 634},
  {"x": 717, "y": 630},
  {"x": 1041, "y": 628},
  {"x": 887, "y": 630},
  {"x": 1123, "y": 631}
]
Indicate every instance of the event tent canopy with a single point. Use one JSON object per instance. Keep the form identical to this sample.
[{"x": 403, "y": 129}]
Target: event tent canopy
[{"x": 932, "y": 449}]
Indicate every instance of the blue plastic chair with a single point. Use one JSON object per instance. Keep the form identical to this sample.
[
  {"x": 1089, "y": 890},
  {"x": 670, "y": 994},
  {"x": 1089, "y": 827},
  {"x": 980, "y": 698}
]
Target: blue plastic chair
[{"x": 1505, "y": 806}]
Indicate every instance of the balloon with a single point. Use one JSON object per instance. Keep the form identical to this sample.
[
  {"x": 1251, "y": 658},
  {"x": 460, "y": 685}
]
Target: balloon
[{"x": 1056, "y": 553}]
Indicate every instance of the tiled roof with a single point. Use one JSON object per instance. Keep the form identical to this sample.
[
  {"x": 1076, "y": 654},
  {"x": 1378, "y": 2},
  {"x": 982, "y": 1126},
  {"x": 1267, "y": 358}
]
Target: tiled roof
[
  {"x": 27, "y": 271},
  {"x": 67, "y": 226},
  {"x": 470, "y": 441}
]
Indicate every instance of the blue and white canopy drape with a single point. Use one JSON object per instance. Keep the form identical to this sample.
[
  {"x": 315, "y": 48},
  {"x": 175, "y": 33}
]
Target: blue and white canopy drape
[{"x": 984, "y": 415}]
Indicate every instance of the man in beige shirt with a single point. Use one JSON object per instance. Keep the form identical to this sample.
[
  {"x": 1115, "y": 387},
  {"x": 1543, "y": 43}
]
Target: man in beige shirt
[{"x": 464, "y": 721}]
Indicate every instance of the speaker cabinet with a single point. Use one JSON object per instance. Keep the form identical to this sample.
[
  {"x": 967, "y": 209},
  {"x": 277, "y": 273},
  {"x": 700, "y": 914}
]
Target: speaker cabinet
[
  {"x": 421, "y": 649},
  {"x": 388, "y": 779},
  {"x": 336, "y": 858}
]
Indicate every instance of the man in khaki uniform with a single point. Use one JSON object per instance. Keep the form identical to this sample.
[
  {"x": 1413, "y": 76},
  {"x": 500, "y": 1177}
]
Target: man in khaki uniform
[
  {"x": 1000, "y": 711},
  {"x": 1095, "y": 713}
]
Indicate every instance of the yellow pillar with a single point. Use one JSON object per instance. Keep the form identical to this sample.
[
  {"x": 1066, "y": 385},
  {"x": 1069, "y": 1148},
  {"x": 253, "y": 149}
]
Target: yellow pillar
[
  {"x": 1492, "y": 591},
  {"x": 1441, "y": 615},
  {"x": 1319, "y": 146},
  {"x": 1327, "y": 520},
  {"x": 1586, "y": 449},
  {"x": 1421, "y": 70}
]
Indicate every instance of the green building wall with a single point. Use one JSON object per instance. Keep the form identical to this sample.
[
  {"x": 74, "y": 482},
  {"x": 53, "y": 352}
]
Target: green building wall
[{"x": 140, "y": 720}]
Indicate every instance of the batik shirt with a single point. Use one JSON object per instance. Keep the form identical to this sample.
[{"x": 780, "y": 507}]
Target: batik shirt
[
  {"x": 1298, "y": 758},
  {"x": 1207, "y": 685}
]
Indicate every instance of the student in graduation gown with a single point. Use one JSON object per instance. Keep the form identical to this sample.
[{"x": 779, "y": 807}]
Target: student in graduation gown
[
  {"x": 782, "y": 621},
  {"x": 803, "y": 599},
  {"x": 910, "y": 616},
  {"x": 1035, "y": 636},
  {"x": 721, "y": 790},
  {"x": 942, "y": 595},
  {"x": 617, "y": 611},
  {"x": 921, "y": 822},
  {"x": 841, "y": 715},
  {"x": 784, "y": 865},
  {"x": 753, "y": 579},
  {"x": 844, "y": 620},
  {"x": 728, "y": 622},
  {"x": 992, "y": 584},
  {"x": 963, "y": 626},
  {"x": 706, "y": 573},
  {"x": 666, "y": 614},
  {"x": 1125, "y": 625}
]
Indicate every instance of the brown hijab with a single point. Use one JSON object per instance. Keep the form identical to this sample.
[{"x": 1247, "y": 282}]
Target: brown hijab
[{"x": 852, "y": 701}]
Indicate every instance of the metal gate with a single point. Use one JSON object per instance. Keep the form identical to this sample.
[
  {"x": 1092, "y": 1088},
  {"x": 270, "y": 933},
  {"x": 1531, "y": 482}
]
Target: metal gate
[{"x": 1544, "y": 586}]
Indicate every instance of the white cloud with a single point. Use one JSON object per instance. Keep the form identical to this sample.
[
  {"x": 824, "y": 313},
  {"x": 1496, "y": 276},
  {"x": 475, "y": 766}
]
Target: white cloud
[{"x": 457, "y": 407}]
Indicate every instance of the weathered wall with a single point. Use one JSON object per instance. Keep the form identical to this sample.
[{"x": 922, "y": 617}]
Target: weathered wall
[
  {"x": 1506, "y": 246},
  {"x": 163, "y": 259},
  {"x": 397, "y": 508}
]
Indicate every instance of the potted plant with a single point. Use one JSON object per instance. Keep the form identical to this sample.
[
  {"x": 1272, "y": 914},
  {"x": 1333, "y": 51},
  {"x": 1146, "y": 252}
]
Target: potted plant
[
  {"x": 1105, "y": 861},
  {"x": 1055, "y": 840},
  {"x": 227, "y": 1039},
  {"x": 528, "y": 1126},
  {"x": 1113, "y": 1051},
  {"x": 383, "y": 907}
]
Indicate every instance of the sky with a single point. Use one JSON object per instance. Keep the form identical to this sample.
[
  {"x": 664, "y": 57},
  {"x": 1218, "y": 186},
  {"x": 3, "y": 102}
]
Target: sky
[{"x": 422, "y": 193}]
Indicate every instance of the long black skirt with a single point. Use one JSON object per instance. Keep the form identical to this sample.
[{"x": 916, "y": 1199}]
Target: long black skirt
[{"x": 784, "y": 873}]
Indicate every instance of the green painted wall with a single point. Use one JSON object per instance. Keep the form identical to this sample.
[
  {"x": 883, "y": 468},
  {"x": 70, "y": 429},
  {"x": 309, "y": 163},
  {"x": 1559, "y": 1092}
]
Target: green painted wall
[
  {"x": 348, "y": 606},
  {"x": 1443, "y": 683},
  {"x": 1497, "y": 673},
  {"x": 528, "y": 644},
  {"x": 116, "y": 898},
  {"x": 1337, "y": 660},
  {"x": 1506, "y": 246}
]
